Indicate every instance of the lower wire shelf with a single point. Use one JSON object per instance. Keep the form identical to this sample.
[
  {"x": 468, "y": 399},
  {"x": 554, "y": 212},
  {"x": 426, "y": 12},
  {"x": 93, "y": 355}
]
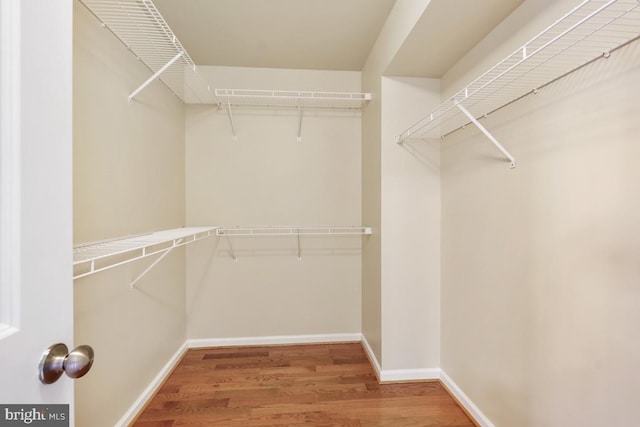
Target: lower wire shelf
[
  {"x": 91, "y": 258},
  {"x": 291, "y": 231},
  {"x": 94, "y": 257}
]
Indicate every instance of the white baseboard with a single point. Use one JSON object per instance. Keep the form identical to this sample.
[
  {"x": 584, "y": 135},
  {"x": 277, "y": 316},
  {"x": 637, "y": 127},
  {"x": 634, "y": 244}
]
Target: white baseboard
[
  {"x": 464, "y": 400},
  {"x": 151, "y": 389},
  {"x": 398, "y": 375},
  {"x": 372, "y": 357},
  {"x": 404, "y": 375},
  {"x": 275, "y": 340}
]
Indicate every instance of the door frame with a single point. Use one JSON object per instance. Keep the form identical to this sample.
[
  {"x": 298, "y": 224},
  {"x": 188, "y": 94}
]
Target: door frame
[{"x": 9, "y": 167}]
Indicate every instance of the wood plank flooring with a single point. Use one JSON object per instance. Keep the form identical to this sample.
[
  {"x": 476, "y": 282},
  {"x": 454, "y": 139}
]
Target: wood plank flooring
[{"x": 301, "y": 385}]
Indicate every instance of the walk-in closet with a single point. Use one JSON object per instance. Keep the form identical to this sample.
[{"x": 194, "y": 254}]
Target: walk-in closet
[{"x": 430, "y": 205}]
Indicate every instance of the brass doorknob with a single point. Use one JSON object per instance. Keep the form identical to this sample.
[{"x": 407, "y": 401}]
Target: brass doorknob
[{"x": 57, "y": 360}]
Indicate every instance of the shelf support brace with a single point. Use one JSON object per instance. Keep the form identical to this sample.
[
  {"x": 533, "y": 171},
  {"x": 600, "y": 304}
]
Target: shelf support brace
[
  {"x": 299, "y": 139},
  {"x": 231, "y": 251},
  {"x": 487, "y": 134},
  {"x": 155, "y": 75},
  {"x": 299, "y": 250},
  {"x": 233, "y": 126},
  {"x": 154, "y": 263}
]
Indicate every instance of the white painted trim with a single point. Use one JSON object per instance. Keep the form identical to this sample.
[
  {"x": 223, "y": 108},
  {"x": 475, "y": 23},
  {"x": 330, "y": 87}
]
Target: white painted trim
[
  {"x": 403, "y": 375},
  {"x": 9, "y": 167},
  {"x": 398, "y": 375},
  {"x": 372, "y": 357},
  {"x": 151, "y": 389},
  {"x": 464, "y": 400},
  {"x": 274, "y": 340}
]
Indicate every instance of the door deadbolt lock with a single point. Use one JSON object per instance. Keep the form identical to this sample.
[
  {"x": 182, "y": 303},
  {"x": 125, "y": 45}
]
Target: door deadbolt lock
[{"x": 57, "y": 360}]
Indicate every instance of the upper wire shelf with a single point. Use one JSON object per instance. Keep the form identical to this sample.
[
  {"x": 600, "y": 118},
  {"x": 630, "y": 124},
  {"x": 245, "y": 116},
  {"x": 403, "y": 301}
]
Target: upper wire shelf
[
  {"x": 293, "y": 231},
  {"x": 91, "y": 258},
  {"x": 293, "y": 99},
  {"x": 592, "y": 29},
  {"x": 140, "y": 27}
]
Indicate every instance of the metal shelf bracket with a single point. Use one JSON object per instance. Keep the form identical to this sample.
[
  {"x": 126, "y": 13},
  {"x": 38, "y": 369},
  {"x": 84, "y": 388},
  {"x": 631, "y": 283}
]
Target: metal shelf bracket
[
  {"x": 232, "y": 252},
  {"x": 176, "y": 243},
  {"x": 487, "y": 134},
  {"x": 233, "y": 126},
  {"x": 156, "y": 75},
  {"x": 299, "y": 139}
]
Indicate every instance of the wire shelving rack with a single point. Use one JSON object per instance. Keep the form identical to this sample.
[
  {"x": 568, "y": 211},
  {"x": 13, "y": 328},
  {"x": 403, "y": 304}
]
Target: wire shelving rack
[
  {"x": 289, "y": 231},
  {"x": 94, "y": 257},
  {"x": 141, "y": 28},
  {"x": 591, "y": 30}
]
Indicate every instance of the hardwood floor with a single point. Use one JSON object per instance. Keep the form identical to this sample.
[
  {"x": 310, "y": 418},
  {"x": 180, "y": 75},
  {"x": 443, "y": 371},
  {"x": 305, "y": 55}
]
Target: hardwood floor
[{"x": 301, "y": 385}]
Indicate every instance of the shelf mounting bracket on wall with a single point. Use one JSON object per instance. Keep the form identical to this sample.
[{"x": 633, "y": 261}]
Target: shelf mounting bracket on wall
[
  {"x": 156, "y": 75},
  {"x": 299, "y": 139},
  {"x": 176, "y": 243},
  {"x": 232, "y": 252},
  {"x": 233, "y": 126},
  {"x": 487, "y": 134}
]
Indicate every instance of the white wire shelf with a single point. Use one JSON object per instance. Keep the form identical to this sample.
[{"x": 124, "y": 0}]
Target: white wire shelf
[
  {"x": 299, "y": 100},
  {"x": 291, "y": 99},
  {"x": 292, "y": 231},
  {"x": 92, "y": 258},
  {"x": 140, "y": 27},
  {"x": 591, "y": 30},
  {"x": 289, "y": 231}
]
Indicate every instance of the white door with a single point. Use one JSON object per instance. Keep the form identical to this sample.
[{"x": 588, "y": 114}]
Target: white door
[{"x": 36, "y": 285}]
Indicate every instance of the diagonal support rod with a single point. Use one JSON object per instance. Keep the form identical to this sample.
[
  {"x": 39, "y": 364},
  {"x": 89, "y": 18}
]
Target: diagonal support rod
[
  {"x": 155, "y": 75},
  {"x": 299, "y": 139},
  {"x": 487, "y": 134},
  {"x": 231, "y": 251},
  {"x": 176, "y": 243},
  {"x": 233, "y": 127}
]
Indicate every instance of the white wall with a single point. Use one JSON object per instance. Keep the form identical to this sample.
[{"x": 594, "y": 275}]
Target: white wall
[
  {"x": 401, "y": 21},
  {"x": 540, "y": 263},
  {"x": 410, "y": 212},
  {"x": 267, "y": 178},
  {"x": 128, "y": 179}
]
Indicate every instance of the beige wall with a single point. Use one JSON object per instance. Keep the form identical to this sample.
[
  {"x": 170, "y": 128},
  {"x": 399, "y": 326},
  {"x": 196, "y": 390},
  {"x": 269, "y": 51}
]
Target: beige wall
[
  {"x": 410, "y": 217},
  {"x": 540, "y": 263},
  {"x": 371, "y": 215},
  {"x": 128, "y": 179},
  {"x": 402, "y": 19},
  {"x": 267, "y": 178}
]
